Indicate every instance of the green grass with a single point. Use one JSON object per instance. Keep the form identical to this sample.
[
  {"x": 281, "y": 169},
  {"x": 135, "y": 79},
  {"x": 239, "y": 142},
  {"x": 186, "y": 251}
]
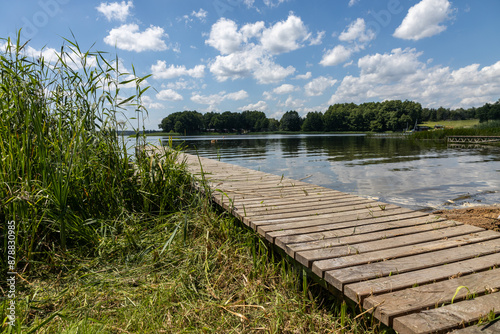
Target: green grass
[
  {"x": 454, "y": 124},
  {"x": 491, "y": 128},
  {"x": 218, "y": 278},
  {"x": 109, "y": 243}
]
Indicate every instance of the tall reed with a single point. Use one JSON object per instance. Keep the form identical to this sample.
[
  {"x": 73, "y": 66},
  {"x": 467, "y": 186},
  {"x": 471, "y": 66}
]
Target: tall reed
[{"x": 66, "y": 177}]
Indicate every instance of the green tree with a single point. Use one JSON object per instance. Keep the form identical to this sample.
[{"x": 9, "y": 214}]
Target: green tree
[
  {"x": 273, "y": 125},
  {"x": 313, "y": 122},
  {"x": 336, "y": 117},
  {"x": 483, "y": 113},
  {"x": 185, "y": 122},
  {"x": 290, "y": 121},
  {"x": 254, "y": 120},
  {"x": 494, "y": 112}
]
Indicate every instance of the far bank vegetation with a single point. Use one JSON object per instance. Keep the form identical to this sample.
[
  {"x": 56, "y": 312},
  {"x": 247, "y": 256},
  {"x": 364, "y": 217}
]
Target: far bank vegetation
[{"x": 393, "y": 115}]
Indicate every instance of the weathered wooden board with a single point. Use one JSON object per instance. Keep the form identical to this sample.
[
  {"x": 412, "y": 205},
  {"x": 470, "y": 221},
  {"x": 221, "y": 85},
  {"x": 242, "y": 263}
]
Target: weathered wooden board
[
  {"x": 492, "y": 327},
  {"x": 430, "y": 296},
  {"x": 392, "y": 239},
  {"x": 402, "y": 259},
  {"x": 360, "y": 290},
  {"x": 357, "y": 227},
  {"x": 446, "y": 318},
  {"x": 323, "y": 224},
  {"x": 257, "y": 199},
  {"x": 323, "y": 196},
  {"x": 329, "y": 238},
  {"x": 352, "y": 213},
  {"x": 301, "y": 207}
]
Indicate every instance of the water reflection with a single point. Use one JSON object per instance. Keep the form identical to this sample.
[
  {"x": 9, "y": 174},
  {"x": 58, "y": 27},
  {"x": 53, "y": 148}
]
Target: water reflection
[{"x": 412, "y": 174}]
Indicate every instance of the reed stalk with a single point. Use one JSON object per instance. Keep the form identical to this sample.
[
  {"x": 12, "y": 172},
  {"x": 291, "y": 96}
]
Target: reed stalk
[{"x": 65, "y": 173}]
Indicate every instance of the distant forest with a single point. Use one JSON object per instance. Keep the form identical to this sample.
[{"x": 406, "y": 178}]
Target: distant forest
[{"x": 394, "y": 115}]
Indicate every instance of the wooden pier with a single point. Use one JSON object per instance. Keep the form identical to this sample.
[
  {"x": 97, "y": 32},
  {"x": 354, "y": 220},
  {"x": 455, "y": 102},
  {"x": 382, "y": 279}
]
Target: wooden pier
[
  {"x": 415, "y": 272},
  {"x": 472, "y": 139}
]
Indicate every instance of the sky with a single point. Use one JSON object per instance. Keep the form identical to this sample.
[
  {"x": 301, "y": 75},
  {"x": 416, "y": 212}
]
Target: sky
[{"x": 281, "y": 55}]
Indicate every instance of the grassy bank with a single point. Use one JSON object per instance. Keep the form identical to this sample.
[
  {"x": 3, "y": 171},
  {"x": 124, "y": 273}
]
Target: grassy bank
[
  {"x": 109, "y": 243},
  {"x": 491, "y": 128},
  {"x": 468, "y": 123},
  {"x": 215, "y": 276}
]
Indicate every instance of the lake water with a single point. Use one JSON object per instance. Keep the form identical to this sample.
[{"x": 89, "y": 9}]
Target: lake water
[{"x": 416, "y": 175}]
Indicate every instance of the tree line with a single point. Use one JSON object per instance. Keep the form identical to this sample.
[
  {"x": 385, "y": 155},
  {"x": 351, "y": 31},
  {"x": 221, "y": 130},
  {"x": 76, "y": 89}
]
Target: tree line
[{"x": 393, "y": 115}]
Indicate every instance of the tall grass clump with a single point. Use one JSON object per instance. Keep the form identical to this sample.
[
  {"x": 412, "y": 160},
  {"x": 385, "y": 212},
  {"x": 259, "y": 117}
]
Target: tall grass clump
[{"x": 65, "y": 176}]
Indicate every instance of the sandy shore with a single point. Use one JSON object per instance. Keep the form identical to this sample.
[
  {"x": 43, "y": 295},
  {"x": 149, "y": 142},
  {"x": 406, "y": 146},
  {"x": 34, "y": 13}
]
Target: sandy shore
[{"x": 487, "y": 217}]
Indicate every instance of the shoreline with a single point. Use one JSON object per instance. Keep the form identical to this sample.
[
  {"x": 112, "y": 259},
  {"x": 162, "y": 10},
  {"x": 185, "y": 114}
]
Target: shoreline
[{"x": 485, "y": 216}]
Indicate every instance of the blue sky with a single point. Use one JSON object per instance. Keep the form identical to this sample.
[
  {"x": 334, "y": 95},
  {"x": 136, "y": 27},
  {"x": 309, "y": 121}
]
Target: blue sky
[{"x": 280, "y": 55}]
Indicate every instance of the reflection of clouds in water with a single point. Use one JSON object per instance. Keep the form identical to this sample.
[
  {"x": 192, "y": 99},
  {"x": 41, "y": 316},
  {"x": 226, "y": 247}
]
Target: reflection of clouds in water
[{"x": 424, "y": 182}]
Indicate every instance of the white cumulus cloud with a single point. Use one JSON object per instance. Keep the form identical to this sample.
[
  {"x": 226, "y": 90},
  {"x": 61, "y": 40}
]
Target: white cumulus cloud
[
  {"x": 225, "y": 37},
  {"x": 357, "y": 31},
  {"x": 249, "y": 63},
  {"x": 115, "y": 11},
  {"x": 201, "y": 14},
  {"x": 401, "y": 75},
  {"x": 161, "y": 71},
  {"x": 284, "y": 89},
  {"x": 250, "y": 50},
  {"x": 391, "y": 66},
  {"x": 292, "y": 103},
  {"x": 169, "y": 95},
  {"x": 259, "y": 106},
  {"x": 214, "y": 100},
  {"x": 335, "y": 56},
  {"x": 240, "y": 95},
  {"x": 285, "y": 36},
  {"x": 318, "y": 86},
  {"x": 306, "y": 76},
  {"x": 318, "y": 39},
  {"x": 149, "y": 103},
  {"x": 128, "y": 37},
  {"x": 425, "y": 20},
  {"x": 356, "y": 35},
  {"x": 273, "y": 3}
]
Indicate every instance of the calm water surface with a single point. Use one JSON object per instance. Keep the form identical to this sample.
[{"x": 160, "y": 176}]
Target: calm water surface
[{"x": 417, "y": 175}]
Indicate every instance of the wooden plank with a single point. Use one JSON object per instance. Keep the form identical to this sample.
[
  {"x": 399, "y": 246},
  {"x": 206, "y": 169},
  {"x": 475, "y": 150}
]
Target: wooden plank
[
  {"x": 241, "y": 199},
  {"x": 483, "y": 328},
  {"x": 403, "y": 259},
  {"x": 352, "y": 212},
  {"x": 360, "y": 290},
  {"x": 304, "y": 207},
  {"x": 357, "y": 227},
  {"x": 432, "y": 295},
  {"x": 308, "y": 192},
  {"x": 276, "y": 192},
  {"x": 370, "y": 242},
  {"x": 313, "y": 211},
  {"x": 324, "y": 224},
  {"x": 327, "y": 236},
  {"x": 446, "y": 318},
  {"x": 265, "y": 188},
  {"x": 293, "y": 201},
  {"x": 324, "y": 200},
  {"x": 272, "y": 184},
  {"x": 299, "y": 209},
  {"x": 397, "y": 304}
]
